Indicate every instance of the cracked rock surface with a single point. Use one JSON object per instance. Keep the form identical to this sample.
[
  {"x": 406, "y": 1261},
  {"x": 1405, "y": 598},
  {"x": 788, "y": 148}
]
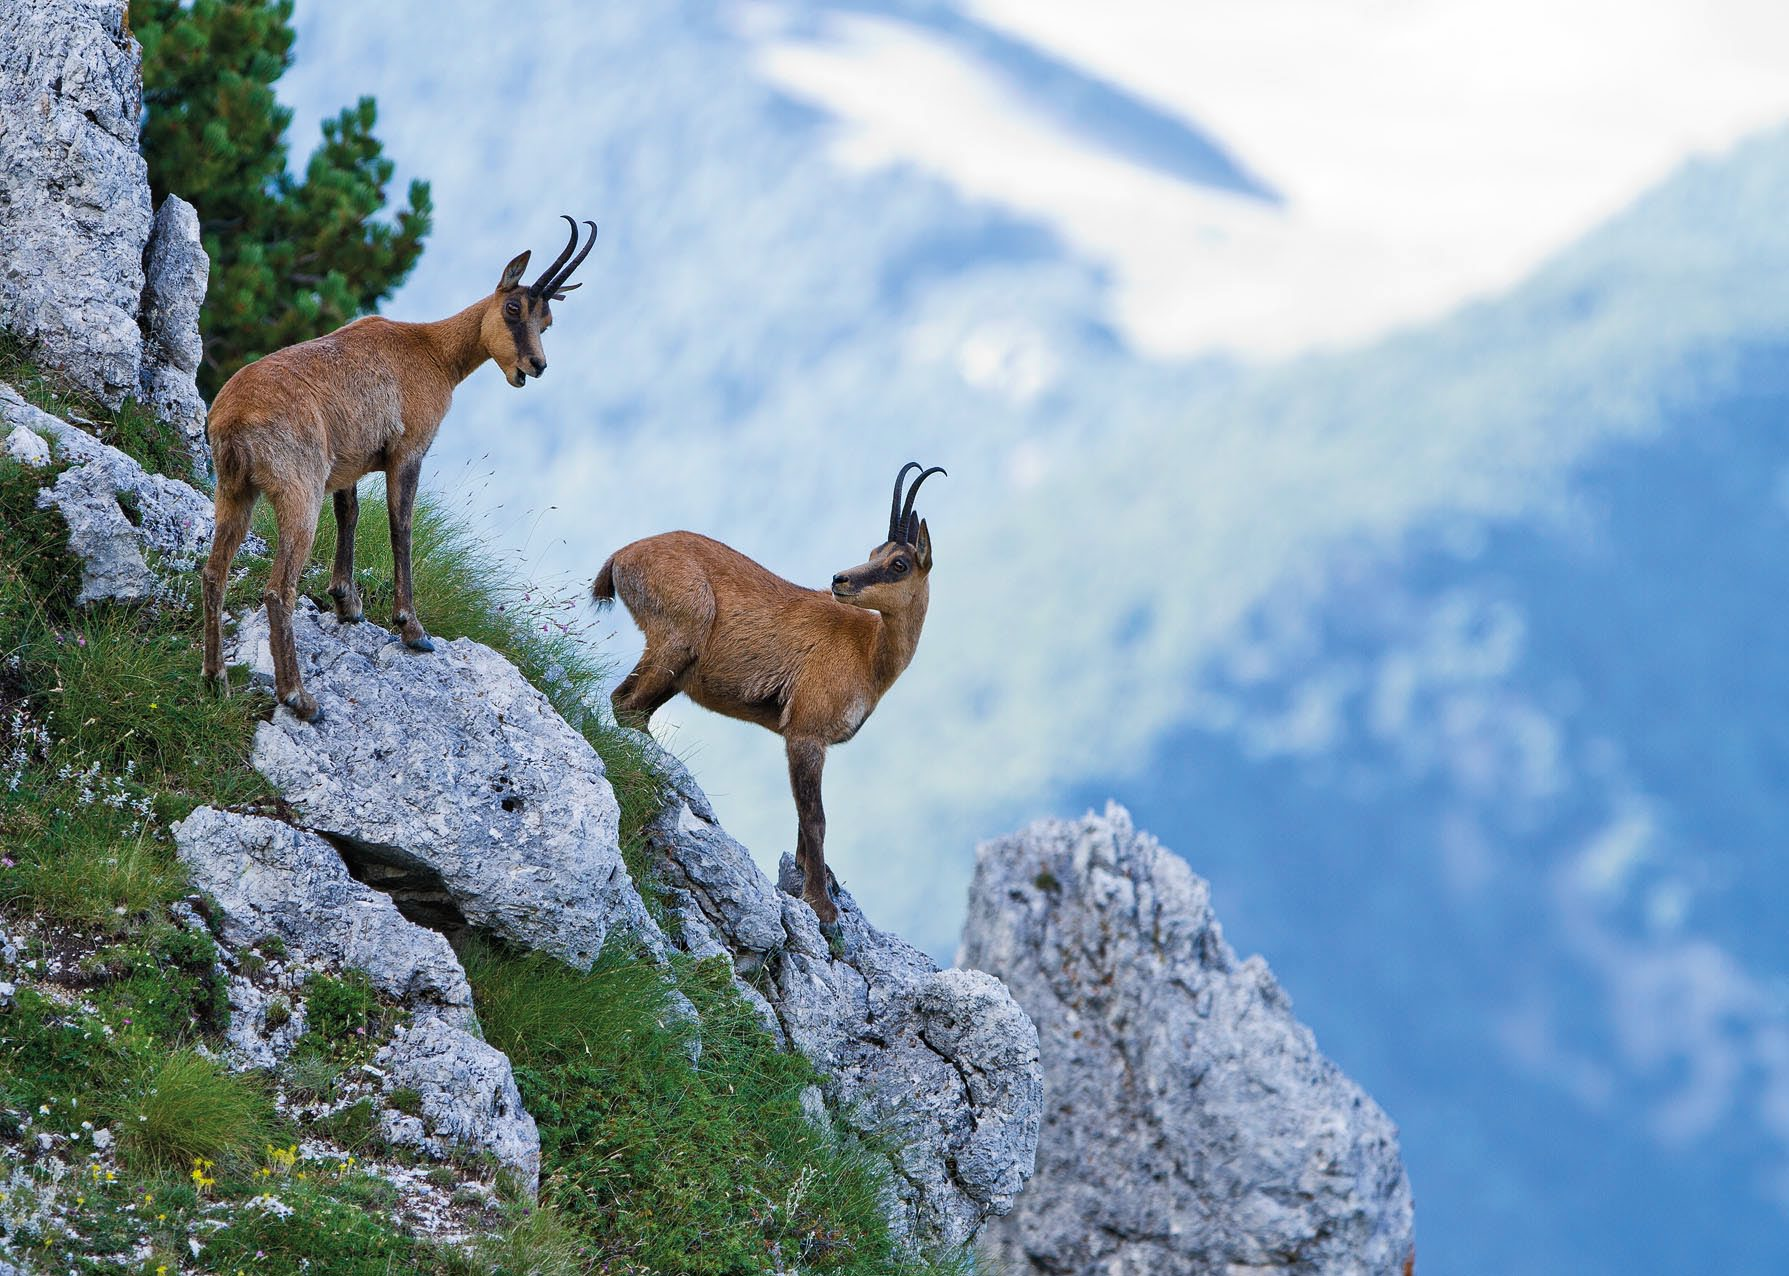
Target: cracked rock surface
[
  {"x": 468, "y": 1093},
  {"x": 941, "y": 1064},
  {"x": 452, "y": 769},
  {"x": 176, "y": 273},
  {"x": 269, "y": 880},
  {"x": 118, "y": 514},
  {"x": 74, "y": 190},
  {"x": 1192, "y": 1126}
]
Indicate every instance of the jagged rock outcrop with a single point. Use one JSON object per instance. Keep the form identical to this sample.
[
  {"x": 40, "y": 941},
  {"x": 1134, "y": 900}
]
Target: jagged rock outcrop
[
  {"x": 74, "y": 190},
  {"x": 468, "y": 1096},
  {"x": 453, "y": 780},
  {"x": 76, "y": 242},
  {"x": 941, "y": 1063},
  {"x": 1191, "y": 1124},
  {"x": 118, "y": 514},
  {"x": 176, "y": 273}
]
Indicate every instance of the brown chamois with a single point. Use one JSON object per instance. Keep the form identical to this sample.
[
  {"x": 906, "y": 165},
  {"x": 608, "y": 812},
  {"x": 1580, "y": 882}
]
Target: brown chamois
[
  {"x": 313, "y": 418},
  {"x": 809, "y": 664}
]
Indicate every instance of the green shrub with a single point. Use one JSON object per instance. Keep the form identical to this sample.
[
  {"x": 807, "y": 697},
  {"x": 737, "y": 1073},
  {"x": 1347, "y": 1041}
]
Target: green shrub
[
  {"x": 342, "y": 1016},
  {"x": 165, "y": 983}
]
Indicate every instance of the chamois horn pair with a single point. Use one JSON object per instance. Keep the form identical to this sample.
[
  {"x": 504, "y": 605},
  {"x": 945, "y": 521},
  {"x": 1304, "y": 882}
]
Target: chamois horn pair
[
  {"x": 903, "y": 523},
  {"x": 552, "y": 280}
]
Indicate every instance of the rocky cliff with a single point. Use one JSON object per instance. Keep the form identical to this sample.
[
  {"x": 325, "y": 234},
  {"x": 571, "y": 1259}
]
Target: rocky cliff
[
  {"x": 95, "y": 283},
  {"x": 1190, "y": 1124}
]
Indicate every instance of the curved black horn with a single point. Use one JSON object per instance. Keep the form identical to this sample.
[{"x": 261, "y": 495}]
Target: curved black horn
[
  {"x": 548, "y": 288},
  {"x": 911, "y": 524},
  {"x": 894, "y": 506},
  {"x": 536, "y": 287}
]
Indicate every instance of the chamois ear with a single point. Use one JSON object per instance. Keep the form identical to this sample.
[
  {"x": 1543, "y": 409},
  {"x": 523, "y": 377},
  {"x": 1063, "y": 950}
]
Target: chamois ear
[
  {"x": 512, "y": 273},
  {"x": 924, "y": 547}
]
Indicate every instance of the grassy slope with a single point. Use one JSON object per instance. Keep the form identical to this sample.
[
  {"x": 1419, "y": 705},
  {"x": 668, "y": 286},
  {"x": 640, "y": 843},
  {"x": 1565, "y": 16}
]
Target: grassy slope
[{"x": 652, "y": 1163}]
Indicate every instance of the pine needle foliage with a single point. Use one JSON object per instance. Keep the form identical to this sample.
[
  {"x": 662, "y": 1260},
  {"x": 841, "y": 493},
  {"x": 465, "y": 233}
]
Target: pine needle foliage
[{"x": 291, "y": 257}]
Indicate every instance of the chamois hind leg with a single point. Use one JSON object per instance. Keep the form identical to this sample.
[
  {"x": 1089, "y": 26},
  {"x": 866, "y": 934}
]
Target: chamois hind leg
[
  {"x": 400, "y": 504},
  {"x": 232, "y": 506},
  {"x": 297, "y": 514},
  {"x": 807, "y": 756},
  {"x": 341, "y": 579},
  {"x": 654, "y": 681}
]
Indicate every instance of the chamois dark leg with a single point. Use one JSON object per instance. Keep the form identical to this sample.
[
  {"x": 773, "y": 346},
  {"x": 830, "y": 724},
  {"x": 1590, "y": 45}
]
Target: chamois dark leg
[
  {"x": 400, "y": 501},
  {"x": 341, "y": 579},
  {"x": 297, "y": 517},
  {"x": 233, "y": 505},
  {"x": 806, "y": 759},
  {"x": 651, "y": 684}
]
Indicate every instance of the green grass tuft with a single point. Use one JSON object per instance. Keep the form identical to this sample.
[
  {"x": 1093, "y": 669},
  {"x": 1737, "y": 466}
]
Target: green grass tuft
[{"x": 184, "y": 1106}]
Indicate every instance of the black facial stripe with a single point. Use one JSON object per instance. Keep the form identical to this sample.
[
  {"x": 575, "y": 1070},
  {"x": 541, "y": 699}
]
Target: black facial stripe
[{"x": 518, "y": 331}]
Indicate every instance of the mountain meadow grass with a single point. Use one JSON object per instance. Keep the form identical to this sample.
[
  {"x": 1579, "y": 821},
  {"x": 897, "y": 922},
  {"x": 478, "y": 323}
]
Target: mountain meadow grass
[{"x": 667, "y": 1146}]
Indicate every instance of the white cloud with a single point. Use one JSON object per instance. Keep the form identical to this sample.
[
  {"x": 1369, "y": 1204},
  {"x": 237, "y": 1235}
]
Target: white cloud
[{"x": 1429, "y": 150}]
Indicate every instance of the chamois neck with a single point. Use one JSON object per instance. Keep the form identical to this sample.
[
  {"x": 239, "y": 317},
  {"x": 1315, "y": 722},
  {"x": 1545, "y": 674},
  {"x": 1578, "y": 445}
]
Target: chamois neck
[
  {"x": 897, "y": 637},
  {"x": 459, "y": 340}
]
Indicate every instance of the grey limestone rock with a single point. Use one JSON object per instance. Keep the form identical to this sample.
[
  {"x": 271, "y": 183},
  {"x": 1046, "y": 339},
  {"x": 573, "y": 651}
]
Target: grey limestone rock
[
  {"x": 270, "y": 879},
  {"x": 939, "y": 1064},
  {"x": 1192, "y": 1126},
  {"x": 176, "y": 273},
  {"x": 450, "y": 770},
  {"x": 468, "y": 1093},
  {"x": 74, "y": 190},
  {"x": 118, "y": 514},
  {"x": 28, "y": 447}
]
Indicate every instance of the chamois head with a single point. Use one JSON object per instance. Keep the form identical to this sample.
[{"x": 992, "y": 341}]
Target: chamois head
[
  {"x": 519, "y": 312},
  {"x": 898, "y": 567}
]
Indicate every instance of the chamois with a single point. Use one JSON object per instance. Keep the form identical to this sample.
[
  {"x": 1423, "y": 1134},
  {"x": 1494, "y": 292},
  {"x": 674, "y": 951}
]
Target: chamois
[
  {"x": 809, "y": 664},
  {"x": 314, "y": 418}
]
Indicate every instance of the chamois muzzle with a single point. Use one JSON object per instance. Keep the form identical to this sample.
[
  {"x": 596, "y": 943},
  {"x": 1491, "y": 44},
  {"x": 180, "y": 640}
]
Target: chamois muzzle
[
  {"x": 551, "y": 283},
  {"x": 903, "y": 523}
]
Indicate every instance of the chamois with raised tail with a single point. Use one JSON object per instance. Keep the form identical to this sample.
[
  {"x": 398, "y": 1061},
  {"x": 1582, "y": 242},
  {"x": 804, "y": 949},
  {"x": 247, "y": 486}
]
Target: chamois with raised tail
[
  {"x": 809, "y": 664},
  {"x": 314, "y": 418}
]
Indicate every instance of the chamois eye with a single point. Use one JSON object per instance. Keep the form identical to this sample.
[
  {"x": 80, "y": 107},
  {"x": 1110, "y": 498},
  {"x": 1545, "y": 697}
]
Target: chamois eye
[
  {"x": 513, "y": 309},
  {"x": 900, "y": 566}
]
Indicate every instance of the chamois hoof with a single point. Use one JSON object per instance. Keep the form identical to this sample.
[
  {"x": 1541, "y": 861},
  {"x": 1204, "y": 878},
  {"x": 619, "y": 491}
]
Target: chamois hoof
[
  {"x": 347, "y": 605},
  {"x": 825, "y": 911},
  {"x": 422, "y": 642},
  {"x": 303, "y": 704}
]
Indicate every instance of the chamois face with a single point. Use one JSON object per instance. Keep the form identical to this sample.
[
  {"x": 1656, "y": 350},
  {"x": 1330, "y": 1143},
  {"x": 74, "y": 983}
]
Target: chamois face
[
  {"x": 513, "y": 323},
  {"x": 894, "y": 576}
]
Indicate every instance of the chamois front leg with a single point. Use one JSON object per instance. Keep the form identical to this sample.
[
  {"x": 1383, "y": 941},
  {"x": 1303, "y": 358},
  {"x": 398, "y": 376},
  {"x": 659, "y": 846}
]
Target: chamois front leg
[
  {"x": 400, "y": 501},
  {"x": 806, "y": 759},
  {"x": 341, "y": 579}
]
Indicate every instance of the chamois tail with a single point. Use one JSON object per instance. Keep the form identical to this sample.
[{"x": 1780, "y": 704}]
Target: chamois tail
[{"x": 602, "y": 592}]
